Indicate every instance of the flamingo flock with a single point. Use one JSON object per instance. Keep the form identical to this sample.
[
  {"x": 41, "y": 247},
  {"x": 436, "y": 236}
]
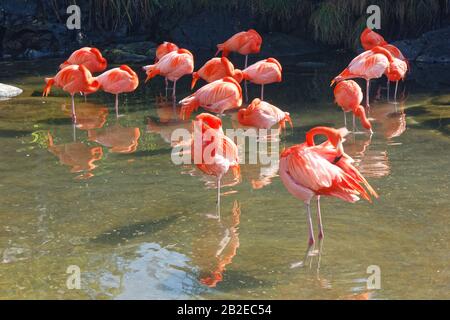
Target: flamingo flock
[{"x": 307, "y": 170}]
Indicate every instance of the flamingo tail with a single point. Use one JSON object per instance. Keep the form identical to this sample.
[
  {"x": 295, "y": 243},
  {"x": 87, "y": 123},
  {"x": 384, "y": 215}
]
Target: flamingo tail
[
  {"x": 48, "y": 86},
  {"x": 188, "y": 105}
]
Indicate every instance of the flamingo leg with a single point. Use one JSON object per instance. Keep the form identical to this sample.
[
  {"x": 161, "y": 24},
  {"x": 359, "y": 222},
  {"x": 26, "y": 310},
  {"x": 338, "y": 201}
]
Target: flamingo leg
[
  {"x": 245, "y": 81},
  {"x": 387, "y": 86},
  {"x": 174, "y": 88},
  {"x": 74, "y": 116},
  {"x": 354, "y": 124},
  {"x": 167, "y": 84},
  {"x": 117, "y": 105},
  {"x": 345, "y": 119},
  {"x": 395, "y": 92},
  {"x": 218, "y": 198},
  {"x": 319, "y": 219},
  {"x": 367, "y": 93},
  {"x": 262, "y": 92},
  {"x": 310, "y": 227}
]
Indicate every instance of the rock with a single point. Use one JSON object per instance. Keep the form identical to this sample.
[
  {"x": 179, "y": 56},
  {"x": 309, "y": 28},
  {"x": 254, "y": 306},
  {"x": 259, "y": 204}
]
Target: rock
[
  {"x": 7, "y": 91},
  {"x": 431, "y": 47},
  {"x": 117, "y": 56},
  {"x": 145, "y": 48}
]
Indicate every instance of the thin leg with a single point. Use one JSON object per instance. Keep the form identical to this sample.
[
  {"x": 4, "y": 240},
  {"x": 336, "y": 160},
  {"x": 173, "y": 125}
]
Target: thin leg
[
  {"x": 85, "y": 98},
  {"x": 354, "y": 124},
  {"x": 395, "y": 92},
  {"x": 319, "y": 219},
  {"x": 117, "y": 105},
  {"x": 345, "y": 119},
  {"x": 310, "y": 227},
  {"x": 218, "y": 198},
  {"x": 387, "y": 86},
  {"x": 245, "y": 81},
  {"x": 367, "y": 93},
  {"x": 74, "y": 116},
  {"x": 262, "y": 92},
  {"x": 167, "y": 84},
  {"x": 174, "y": 88}
]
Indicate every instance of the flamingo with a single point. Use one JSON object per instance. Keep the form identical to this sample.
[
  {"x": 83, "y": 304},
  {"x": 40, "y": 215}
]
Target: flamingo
[
  {"x": 163, "y": 49},
  {"x": 370, "y": 39},
  {"x": 73, "y": 79},
  {"x": 118, "y": 80},
  {"x": 368, "y": 65},
  {"x": 215, "y": 69},
  {"x": 261, "y": 114},
  {"x": 91, "y": 58},
  {"x": 308, "y": 170},
  {"x": 348, "y": 96},
  {"x": 173, "y": 66},
  {"x": 397, "y": 69},
  {"x": 245, "y": 43},
  {"x": 263, "y": 72},
  {"x": 217, "y": 96},
  {"x": 212, "y": 151}
]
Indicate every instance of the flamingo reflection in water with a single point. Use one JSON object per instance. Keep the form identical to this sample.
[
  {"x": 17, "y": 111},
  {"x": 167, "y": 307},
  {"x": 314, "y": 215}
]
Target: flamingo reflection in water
[
  {"x": 168, "y": 120},
  {"x": 77, "y": 155},
  {"x": 216, "y": 247},
  {"x": 89, "y": 116},
  {"x": 117, "y": 138}
]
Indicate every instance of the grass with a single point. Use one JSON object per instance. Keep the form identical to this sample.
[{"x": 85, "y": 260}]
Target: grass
[{"x": 333, "y": 22}]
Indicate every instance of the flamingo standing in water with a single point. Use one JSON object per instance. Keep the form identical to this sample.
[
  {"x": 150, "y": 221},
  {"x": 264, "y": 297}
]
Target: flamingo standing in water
[
  {"x": 217, "y": 96},
  {"x": 173, "y": 66},
  {"x": 348, "y": 96},
  {"x": 397, "y": 69},
  {"x": 368, "y": 65},
  {"x": 212, "y": 151},
  {"x": 91, "y": 58},
  {"x": 73, "y": 79},
  {"x": 263, "y": 72},
  {"x": 118, "y": 80},
  {"x": 261, "y": 114},
  {"x": 245, "y": 43},
  {"x": 370, "y": 39},
  {"x": 215, "y": 69},
  {"x": 163, "y": 49},
  {"x": 308, "y": 170}
]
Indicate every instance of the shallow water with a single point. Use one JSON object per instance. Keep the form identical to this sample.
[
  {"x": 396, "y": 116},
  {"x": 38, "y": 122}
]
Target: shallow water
[{"x": 106, "y": 197}]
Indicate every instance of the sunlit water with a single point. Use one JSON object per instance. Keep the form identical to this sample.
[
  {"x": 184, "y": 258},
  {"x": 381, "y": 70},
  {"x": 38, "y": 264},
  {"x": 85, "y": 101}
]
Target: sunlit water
[{"x": 105, "y": 196}]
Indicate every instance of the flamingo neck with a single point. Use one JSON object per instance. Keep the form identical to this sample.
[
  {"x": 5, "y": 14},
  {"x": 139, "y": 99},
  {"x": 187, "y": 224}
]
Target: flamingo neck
[
  {"x": 383, "y": 51},
  {"x": 332, "y": 135}
]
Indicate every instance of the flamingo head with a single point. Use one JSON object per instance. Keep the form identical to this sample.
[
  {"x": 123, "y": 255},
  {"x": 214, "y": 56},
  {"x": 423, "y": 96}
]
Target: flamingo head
[
  {"x": 208, "y": 121},
  {"x": 238, "y": 75},
  {"x": 334, "y": 137}
]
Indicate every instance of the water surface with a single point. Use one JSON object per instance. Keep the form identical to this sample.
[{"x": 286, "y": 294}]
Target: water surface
[{"x": 105, "y": 196}]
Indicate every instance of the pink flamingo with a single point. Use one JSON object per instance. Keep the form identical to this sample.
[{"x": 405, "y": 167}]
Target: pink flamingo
[
  {"x": 217, "y": 96},
  {"x": 118, "y": 80},
  {"x": 397, "y": 69},
  {"x": 173, "y": 66},
  {"x": 91, "y": 58},
  {"x": 261, "y": 114},
  {"x": 348, "y": 96},
  {"x": 370, "y": 39},
  {"x": 163, "y": 49},
  {"x": 368, "y": 65},
  {"x": 215, "y": 69},
  {"x": 263, "y": 72},
  {"x": 212, "y": 151},
  {"x": 308, "y": 170}
]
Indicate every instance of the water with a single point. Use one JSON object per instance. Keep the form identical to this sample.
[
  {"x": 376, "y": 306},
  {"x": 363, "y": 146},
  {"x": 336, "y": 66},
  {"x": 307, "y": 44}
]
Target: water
[{"x": 106, "y": 197}]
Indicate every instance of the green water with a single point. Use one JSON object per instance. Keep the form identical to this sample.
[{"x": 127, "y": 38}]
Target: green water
[{"x": 137, "y": 225}]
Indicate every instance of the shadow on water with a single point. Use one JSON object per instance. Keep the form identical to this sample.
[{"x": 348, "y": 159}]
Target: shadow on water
[
  {"x": 4, "y": 133},
  {"x": 430, "y": 118},
  {"x": 121, "y": 234}
]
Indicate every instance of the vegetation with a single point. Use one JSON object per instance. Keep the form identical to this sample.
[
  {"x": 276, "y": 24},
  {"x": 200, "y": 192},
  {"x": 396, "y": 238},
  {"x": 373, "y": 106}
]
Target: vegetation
[{"x": 334, "y": 22}]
